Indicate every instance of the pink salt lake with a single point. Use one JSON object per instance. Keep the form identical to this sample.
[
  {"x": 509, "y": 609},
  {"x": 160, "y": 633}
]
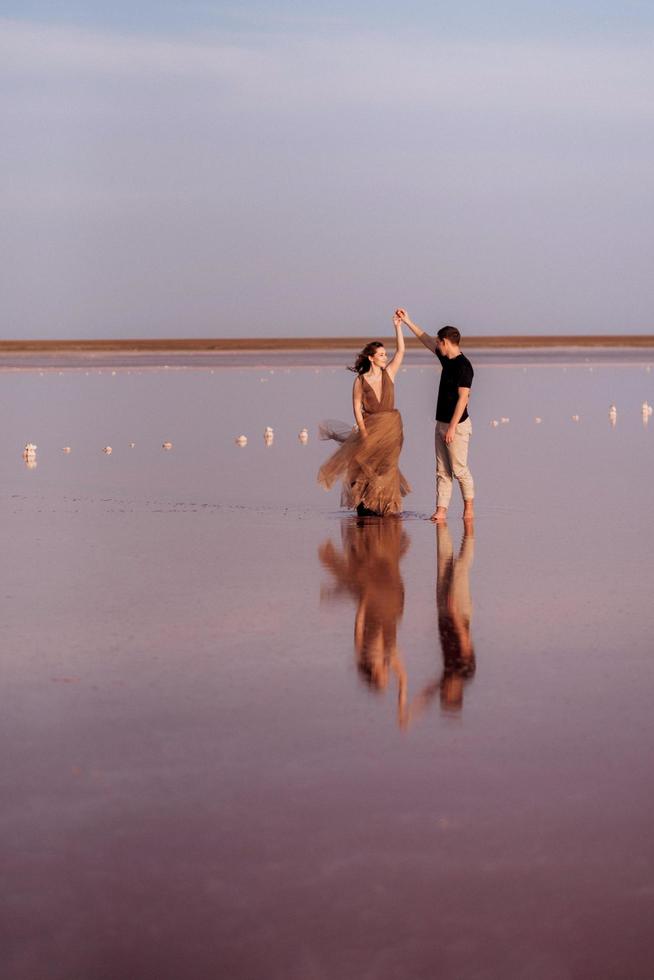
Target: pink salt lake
[{"x": 208, "y": 773}]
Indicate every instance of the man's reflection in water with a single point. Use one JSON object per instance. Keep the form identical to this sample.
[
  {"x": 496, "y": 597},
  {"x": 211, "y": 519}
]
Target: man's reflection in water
[
  {"x": 454, "y": 614},
  {"x": 367, "y": 567},
  {"x": 454, "y": 606}
]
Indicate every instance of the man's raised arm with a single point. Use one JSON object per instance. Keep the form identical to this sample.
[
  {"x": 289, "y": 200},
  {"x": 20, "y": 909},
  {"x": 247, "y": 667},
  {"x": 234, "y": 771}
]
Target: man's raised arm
[{"x": 424, "y": 338}]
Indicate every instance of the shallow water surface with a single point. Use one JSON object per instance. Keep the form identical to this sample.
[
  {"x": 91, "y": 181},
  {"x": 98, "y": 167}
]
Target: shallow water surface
[{"x": 247, "y": 735}]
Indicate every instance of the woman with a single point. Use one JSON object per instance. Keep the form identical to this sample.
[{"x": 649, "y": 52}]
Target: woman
[{"x": 367, "y": 461}]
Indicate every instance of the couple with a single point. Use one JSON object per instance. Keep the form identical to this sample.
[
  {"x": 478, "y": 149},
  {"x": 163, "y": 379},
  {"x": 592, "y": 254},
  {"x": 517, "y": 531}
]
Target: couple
[{"x": 367, "y": 461}]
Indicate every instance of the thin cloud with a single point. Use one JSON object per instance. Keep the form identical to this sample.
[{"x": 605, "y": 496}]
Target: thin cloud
[
  {"x": 40, "y": 49},
  {"x": 306, "y": 71}
]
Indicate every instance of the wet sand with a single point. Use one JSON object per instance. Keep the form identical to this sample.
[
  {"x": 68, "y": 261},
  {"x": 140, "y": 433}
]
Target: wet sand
[{"x": 248, "y": 736}]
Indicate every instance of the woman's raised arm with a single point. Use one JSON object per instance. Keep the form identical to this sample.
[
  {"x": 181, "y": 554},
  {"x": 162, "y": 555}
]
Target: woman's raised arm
[{"x": 395, "y": 362}]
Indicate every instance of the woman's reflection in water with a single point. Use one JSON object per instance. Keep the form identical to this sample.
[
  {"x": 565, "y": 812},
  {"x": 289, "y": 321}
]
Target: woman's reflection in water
[
  {"x": 367, "y": 567},
  {"x": 454, "y": 606}
]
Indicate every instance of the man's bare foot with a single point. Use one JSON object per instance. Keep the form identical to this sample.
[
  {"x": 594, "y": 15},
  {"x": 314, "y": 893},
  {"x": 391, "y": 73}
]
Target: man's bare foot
[{"x": 439, "y": 516}]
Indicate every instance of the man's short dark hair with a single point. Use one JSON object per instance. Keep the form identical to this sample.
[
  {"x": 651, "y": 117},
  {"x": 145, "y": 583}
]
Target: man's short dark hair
[{"x": 450, "y": 333}]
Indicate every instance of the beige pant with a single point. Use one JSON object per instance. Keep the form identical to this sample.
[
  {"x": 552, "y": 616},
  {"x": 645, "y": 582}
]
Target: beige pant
[{"x": 452, "y": 463}]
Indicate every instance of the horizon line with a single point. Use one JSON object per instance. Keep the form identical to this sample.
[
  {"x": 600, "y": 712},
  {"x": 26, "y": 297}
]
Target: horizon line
[{"x": 235, "y": 345}]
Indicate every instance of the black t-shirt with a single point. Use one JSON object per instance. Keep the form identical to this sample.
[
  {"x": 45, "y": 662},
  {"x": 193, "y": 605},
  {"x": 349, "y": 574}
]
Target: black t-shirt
[{"x": 457, "y": 373}]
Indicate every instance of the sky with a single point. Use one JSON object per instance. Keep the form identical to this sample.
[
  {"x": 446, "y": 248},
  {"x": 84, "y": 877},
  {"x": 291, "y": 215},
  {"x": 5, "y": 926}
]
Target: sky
[{"x": 286, "y": 168}]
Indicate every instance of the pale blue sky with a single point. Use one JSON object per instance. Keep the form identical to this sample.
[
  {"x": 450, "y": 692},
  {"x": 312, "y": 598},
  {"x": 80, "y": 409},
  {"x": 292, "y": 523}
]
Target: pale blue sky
[
  {"x": 504, "y": 18},
  {"x": 211, "y": 169}
]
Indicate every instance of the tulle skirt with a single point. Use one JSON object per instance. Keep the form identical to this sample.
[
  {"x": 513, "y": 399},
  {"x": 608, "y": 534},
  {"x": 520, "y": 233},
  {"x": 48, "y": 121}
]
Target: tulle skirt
[{"x": 368, "y": 467}]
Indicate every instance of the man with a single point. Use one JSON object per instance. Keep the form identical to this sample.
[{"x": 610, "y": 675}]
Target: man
[{"x": 453, "y": 426}]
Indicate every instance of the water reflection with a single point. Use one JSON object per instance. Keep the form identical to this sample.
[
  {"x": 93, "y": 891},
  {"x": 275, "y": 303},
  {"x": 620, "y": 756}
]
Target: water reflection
[
  {"x": 367, "y": 568},
  {"x": 454, "y": 606}
]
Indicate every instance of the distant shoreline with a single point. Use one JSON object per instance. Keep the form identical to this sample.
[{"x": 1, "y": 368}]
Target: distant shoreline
[{"x": 254, "y": 345}]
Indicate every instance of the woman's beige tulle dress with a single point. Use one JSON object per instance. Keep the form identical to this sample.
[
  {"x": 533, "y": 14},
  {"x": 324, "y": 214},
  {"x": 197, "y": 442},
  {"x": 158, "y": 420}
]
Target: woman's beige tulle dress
[{"x": 368, "y": 467}]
